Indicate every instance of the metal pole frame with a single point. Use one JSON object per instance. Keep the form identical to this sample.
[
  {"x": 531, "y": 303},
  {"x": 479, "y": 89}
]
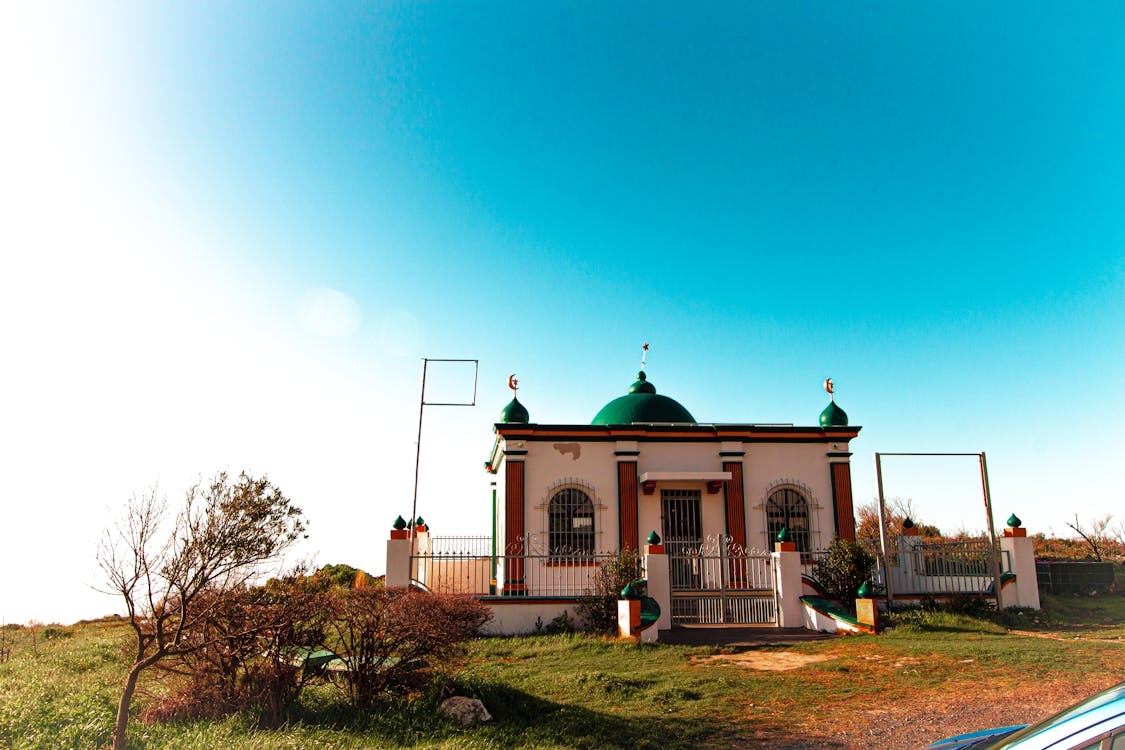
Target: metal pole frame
[
  {"x": 422, "y": 404},
  {"x": 992, "y": 553}
]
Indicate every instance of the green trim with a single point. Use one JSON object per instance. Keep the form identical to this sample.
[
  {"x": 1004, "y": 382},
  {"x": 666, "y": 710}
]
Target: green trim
[
  {"x": 492, "y": 465},
  {"x": 834, "y": 611}
]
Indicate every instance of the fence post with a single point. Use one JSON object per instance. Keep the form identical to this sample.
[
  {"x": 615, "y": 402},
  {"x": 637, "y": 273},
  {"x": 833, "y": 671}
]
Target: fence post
[
  {"x": 787, "y": 585},
  {"x": 1022, "y": 552},
  {"x": 659, "y": 583}
]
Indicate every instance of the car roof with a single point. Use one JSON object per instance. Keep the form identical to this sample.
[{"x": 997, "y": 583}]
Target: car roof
[{"x": 1086, "y": 720}]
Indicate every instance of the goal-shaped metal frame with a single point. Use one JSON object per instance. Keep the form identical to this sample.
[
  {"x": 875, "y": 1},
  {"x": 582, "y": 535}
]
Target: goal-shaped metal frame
[{"x": 987, "y": 510}]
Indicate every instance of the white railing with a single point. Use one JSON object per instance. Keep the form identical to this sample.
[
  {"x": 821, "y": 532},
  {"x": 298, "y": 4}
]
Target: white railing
[
  {"x": 558, "y": 576},
  {"x": 917, "y": 567}
]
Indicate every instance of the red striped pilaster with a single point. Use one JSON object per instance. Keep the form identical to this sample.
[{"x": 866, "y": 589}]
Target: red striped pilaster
[
  {"x": 513, "y": 524},
  {"x": 842, "y": 500},
  {"x": 627, "y": 503},
  {"x": 736, "y": 504},
  {"x": 736, "y": 521}
]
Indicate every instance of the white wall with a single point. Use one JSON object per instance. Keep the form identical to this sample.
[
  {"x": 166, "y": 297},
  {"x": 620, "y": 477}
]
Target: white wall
[
  {"x": 592, "y": 465},
  {"x": 549, "y": 466}
]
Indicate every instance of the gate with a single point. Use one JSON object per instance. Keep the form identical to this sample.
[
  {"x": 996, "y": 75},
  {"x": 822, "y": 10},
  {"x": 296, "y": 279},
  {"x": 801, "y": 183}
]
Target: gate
[{"x": 713, "y": 581}]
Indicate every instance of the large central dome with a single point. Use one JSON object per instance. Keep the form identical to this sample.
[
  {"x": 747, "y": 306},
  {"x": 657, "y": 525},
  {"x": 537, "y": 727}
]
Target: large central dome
[{"x": 644, "y": 405}]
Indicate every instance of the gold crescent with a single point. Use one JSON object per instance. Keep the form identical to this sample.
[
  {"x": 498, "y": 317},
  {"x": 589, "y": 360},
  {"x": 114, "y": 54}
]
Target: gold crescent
[{"x": 512, "y": 382}]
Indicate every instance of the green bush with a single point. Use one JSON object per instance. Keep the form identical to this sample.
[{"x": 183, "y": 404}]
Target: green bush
[
  {"x": 843, "y": 570},
  {"x": 599, "y": 605}
]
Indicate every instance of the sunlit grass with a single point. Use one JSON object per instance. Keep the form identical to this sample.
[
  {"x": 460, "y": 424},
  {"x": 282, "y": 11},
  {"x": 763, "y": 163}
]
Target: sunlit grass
[{"x": 581, "y": 691}]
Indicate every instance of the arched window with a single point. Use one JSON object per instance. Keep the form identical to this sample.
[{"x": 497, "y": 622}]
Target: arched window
[
  {"x": 787, "y": 508},
  {"x": 571, "y": 523}
]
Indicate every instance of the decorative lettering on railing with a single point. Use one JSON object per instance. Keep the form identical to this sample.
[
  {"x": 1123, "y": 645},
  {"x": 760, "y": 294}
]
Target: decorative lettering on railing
[{"x": 538, "y": 544}]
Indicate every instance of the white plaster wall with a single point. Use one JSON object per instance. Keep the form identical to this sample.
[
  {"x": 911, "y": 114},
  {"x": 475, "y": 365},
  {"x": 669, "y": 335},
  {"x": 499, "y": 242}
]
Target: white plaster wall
[
  {"x": 516, "y": 619},
  {"x": 593, "y": 464},
  {"x": 766, "y": 465},
  {"x": 697, "y": 457}
]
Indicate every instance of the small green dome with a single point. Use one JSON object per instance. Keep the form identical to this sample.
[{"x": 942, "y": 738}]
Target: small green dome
[
  {"x": 1014, "y": 521},
  {"x": 642, "y": 404},
  {"x": 833, "y": 416},
  {"x": 515, "y": 412},
  {"x": 641, "y": 384}
]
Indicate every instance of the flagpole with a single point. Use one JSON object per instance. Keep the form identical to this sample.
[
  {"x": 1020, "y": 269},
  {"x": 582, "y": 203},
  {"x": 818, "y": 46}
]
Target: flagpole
[{"x": 418, "y": 458}]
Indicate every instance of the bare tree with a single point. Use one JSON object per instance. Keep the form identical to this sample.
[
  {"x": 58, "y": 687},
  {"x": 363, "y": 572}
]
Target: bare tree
[
  {"x": 172, "y": 575},
  {"x": 1098, "y": 534}
]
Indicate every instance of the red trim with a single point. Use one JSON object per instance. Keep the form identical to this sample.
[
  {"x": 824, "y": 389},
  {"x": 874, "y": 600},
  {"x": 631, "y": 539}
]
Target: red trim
[
  {"x": 627, "y": 503},
  {"x": 400, "y": 533},
  {"x": 736, "y": 505},
  {"x": 842, "y": 498},
  {"x": 495, "y": 600},
  {"x": 513, "y": 522}
]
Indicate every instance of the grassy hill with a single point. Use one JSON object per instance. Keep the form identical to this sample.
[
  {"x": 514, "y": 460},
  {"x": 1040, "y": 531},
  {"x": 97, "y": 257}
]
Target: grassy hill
[{"x": 931, "y": 676}]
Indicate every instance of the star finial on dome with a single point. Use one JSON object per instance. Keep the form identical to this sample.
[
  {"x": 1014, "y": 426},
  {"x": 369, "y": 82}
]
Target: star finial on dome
[{"x": 644, "y": 353}]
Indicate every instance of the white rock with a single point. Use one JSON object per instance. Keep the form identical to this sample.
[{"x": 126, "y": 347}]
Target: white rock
[{"x": 466, "y": 711}]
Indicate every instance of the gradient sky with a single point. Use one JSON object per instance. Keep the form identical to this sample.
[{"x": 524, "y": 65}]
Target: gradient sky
[{"x": 229, "y": 232}]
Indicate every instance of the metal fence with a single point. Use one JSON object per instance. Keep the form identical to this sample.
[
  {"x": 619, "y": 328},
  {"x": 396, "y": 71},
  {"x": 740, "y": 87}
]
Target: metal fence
[
  {"x": 919, "y": 568},
  {"x": 554, "y": 576},
  {"x": 461, "y": 545}
]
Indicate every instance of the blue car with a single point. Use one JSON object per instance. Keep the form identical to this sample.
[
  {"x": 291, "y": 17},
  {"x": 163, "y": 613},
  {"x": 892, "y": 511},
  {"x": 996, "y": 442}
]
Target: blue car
[{"x": 1097, "y": 723}]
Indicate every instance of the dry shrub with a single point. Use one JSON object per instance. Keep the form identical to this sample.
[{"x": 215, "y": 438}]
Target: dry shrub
[
  {"x": 397, "y": 639},
  {"x": 197, "y": 698}
]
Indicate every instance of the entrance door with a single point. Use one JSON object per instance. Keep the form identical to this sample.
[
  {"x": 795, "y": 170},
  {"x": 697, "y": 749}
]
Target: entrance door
[{"x": 683, "y": 536}]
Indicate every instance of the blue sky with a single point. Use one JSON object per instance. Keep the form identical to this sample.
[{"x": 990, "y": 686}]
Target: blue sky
[{"x": 233, "y": 230}]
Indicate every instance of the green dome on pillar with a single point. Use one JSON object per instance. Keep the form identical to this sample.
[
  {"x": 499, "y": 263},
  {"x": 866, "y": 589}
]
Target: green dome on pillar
[
  {"x": 833, "y": 416},
  {"x": 515, "y": 412},
  {"x": 642, "y": 404}
]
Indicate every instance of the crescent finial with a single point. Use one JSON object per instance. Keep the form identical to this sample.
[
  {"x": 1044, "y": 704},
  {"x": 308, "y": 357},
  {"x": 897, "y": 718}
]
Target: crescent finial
[{"x": 512, "y": 382}]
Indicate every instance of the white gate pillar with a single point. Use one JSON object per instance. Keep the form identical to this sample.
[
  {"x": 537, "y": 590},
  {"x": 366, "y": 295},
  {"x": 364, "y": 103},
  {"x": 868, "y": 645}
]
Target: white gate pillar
[
  {"x": 787, "y": 585},
  {"x": 659, "y": 582},
  {"x": 398, "y": 559},
  {"x": 1022, "y": 553}
]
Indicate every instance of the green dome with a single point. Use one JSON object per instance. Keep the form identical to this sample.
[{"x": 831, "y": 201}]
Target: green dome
[
  {"x": 515, "y": 412},
  {"x": 833, "y": 416},
  {"x": 644, "y": 405}
]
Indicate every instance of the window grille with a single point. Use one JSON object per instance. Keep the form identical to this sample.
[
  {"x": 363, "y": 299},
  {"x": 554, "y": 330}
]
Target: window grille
[
  {"x": 787, "y": 508},
  {"x": 570, "y": 517}
]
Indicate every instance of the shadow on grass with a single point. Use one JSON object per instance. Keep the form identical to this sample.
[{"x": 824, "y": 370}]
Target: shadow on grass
[{"x": 523, "y": 720}]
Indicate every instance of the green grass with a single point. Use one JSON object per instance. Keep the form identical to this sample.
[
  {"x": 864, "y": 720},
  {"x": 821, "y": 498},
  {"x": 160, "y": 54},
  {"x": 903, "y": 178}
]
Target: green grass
[{"x": 585, "y": 692}]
